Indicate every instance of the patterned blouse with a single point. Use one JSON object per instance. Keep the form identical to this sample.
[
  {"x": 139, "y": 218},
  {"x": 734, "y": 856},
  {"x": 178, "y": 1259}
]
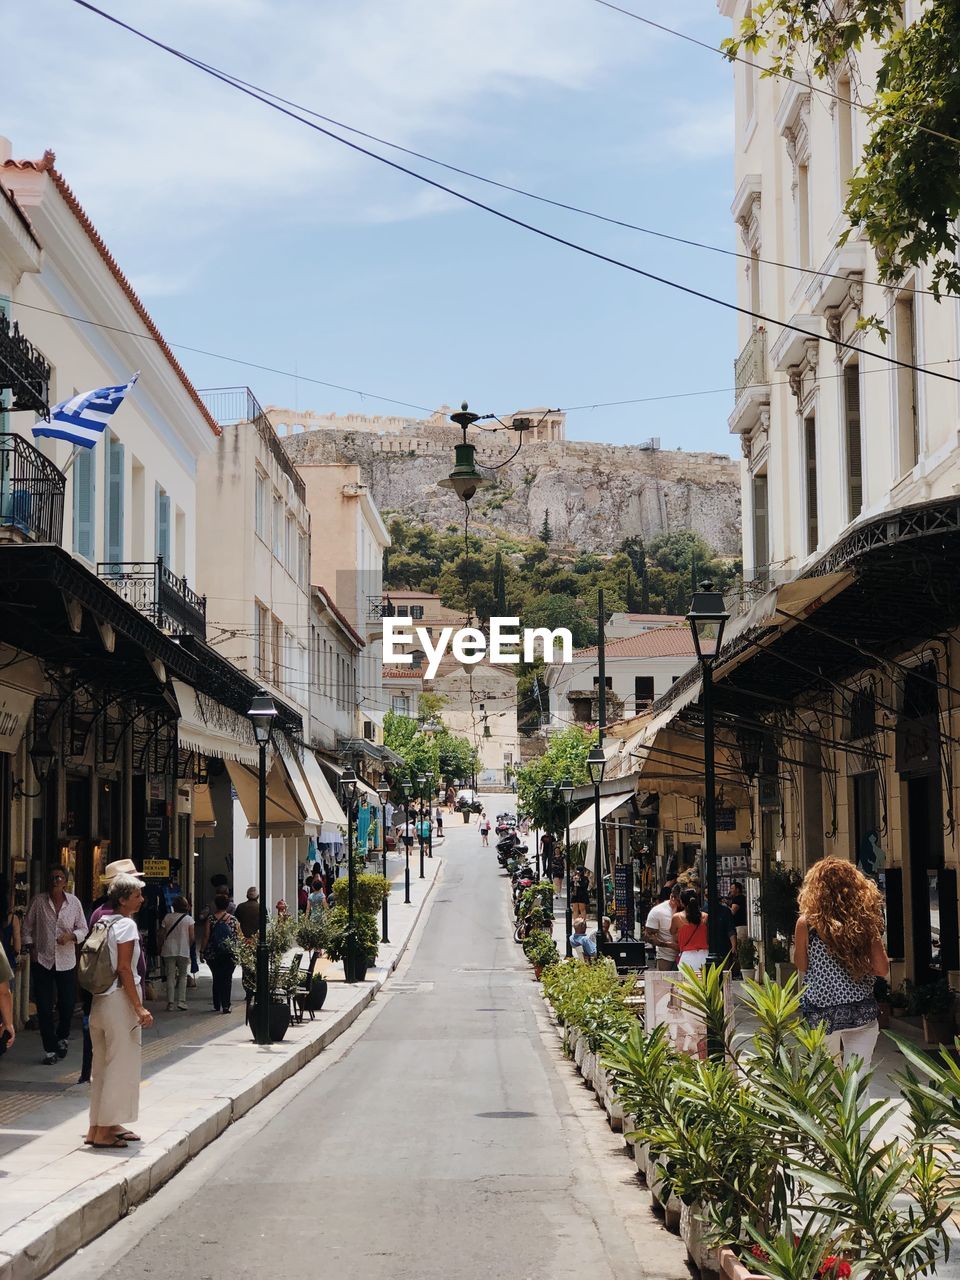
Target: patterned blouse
[{"x": 831, "y": 996}]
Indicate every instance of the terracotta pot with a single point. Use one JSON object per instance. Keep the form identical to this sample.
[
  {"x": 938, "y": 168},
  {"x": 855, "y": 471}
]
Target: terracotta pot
[
  {"x": 537, "y": 970},
  {"x": 938, "y": 1028},
  {"x": 733, "y": 1269}
]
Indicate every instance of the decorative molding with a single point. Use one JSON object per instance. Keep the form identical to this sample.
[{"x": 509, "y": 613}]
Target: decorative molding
[{"x": 795, "y": 378}]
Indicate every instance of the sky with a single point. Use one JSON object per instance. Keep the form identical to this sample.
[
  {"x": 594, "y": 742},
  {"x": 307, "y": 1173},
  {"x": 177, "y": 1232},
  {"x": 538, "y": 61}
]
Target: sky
[{"x": 251, "y": 236}]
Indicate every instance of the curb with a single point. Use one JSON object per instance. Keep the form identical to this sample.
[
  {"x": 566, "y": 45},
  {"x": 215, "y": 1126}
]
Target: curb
[{"x": 50, "y": 1235}]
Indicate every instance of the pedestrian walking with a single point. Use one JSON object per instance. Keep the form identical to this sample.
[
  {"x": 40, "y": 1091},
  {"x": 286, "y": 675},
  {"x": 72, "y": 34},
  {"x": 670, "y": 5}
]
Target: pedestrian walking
[
  {"x": 53, "y": 928},
  {"x": 221, "y": 932},
  {"x": 438, "y": 819},
  {"x": 176, "y": 937},
  {"x": 657, "y": 929},
  {"x": 558, "y": 866},
  {"x": 689, "y": 929},
  {"x": 580, "y": 892},
  {"x": 839, "y": 951},
  {"x": 484, "y": 828},
  {"x": 738, "y": 908},
  {"x": 248, "y": 914},
  {"x": 316, "y": 899},
  {"x": 115, "y": 1089}
]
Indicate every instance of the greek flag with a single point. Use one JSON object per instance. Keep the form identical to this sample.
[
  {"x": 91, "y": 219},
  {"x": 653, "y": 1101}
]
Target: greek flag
[{"x": 81, "y": 419}]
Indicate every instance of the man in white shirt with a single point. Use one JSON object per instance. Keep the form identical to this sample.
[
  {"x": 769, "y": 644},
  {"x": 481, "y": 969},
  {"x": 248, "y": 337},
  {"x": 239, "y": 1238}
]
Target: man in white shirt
[
  {"x": 657, "y": 928},
  {"x": 52, "y": 928}
]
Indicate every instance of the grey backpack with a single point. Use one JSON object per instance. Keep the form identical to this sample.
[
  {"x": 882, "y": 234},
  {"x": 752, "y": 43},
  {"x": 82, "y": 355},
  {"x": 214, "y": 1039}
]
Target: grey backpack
[{"x": 95, "y": 971}]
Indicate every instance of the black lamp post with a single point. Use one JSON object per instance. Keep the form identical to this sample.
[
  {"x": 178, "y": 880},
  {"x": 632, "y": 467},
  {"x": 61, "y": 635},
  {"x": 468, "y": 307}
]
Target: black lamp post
[
  {"x": 566, "y": 795},
  {"x": 406, "y": 787},
  {"x": 421, "y": 788},
  {"x": 596, "y": 767},
  {"x": 431, "y": 784},
  {"x": 348, "y": 788},
  {"x": 263, "y": 716},
  {"x": 384, "y": 793},
  {"x": 707, "y": 618}
]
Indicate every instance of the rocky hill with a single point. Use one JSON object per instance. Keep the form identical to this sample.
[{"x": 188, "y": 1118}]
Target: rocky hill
[{"x": 594, "y": 494}]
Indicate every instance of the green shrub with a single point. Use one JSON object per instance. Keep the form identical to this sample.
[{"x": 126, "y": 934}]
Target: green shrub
[
  {"x": 369, "y": 892},
  {"x": 540, "y": 949},
  {"x": 336, "y": 930}
]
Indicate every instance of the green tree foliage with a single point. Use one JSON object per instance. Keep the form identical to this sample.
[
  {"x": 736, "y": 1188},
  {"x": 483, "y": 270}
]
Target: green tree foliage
[
  {"x": 446, "y": 755},
  {"x": 905, "y": 195},
  {"x": 545, "y": 532},
  {"x": 565, "y": 757}
]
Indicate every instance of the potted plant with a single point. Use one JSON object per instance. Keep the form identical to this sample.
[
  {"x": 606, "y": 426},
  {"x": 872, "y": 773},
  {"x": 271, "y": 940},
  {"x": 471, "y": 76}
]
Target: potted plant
[
  {"x": 779, "y": 960},
  {"x": 310, "y": 936},
  {"x": 899, "y": 1002},
  {"x": 337, "y": 931},
  {"x": 282, "y": 981},
  {"x": 541, "y": 950},
  {"x": 747, "y": 958},
  {"x": 936, "y": 1003},
  {"x": 369, "y": 892}
]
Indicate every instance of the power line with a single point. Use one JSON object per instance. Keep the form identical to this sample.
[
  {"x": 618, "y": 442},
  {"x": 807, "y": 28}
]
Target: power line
[
  {"x": 756, "y": 66},
  {"x": 689, "y": 290}
]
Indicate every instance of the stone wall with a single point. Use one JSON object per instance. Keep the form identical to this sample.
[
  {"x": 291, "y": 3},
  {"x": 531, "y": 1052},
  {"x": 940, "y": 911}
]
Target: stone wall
[{"x": 595, "y": 494}]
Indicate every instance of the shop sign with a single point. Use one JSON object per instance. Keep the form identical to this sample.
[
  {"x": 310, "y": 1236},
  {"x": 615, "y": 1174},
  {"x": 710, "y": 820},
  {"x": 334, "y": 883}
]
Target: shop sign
[{"x": 156, "y": 868}]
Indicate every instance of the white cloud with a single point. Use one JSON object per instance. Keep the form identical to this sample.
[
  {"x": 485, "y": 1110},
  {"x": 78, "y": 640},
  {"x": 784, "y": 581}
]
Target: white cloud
[
  {"x": 144, "y": 138},
  {"x": 690, "y": 132}
]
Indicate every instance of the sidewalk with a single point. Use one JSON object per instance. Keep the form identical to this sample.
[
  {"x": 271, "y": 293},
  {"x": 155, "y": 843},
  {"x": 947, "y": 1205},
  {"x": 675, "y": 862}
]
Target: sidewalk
[{"x": 201, "y": 1071}]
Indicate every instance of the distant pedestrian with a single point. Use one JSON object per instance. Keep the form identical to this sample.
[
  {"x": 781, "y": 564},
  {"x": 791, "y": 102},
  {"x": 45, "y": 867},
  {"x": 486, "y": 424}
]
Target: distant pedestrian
[
  {"x": 221, "y": 932},
  {"x": 438, "y": 819},
  {"x": 558, "y": 866},
  {"x": 579, "y": 939},
  {"x": 248, "y": 914},
  {"x": 451, "y": 798},
  {"x": 689, "y": 929},
  {"x": 580, "y": 892},
  {"x": 176, "y": 936},
  {"x": 738, "y": 907},
  {"x": 115, "y": 1091},
  {"x": 484, "y": 828},
  {"x": 839, "y": 952},
  {"x": 657, "y": 930},
  {"x": 317, "y": 899},
  {"x": 53, "y": 928}
]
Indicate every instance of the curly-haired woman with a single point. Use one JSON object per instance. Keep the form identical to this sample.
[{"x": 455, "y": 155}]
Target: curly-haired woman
[{"x": 839, "y": 952}]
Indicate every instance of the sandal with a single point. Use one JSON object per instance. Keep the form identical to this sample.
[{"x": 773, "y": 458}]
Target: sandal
[
  {"x": 129, "y": 1136},
  {"x": 107, "y": 1146}
]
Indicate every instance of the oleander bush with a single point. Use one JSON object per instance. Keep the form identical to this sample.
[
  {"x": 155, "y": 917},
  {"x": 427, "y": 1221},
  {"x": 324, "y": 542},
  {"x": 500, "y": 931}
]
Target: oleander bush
[
  {"x": 368, "y": 894},
  {"x": 540, "y": 949}
]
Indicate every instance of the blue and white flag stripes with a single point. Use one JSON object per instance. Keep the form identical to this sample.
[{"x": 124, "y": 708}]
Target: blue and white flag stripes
[{"x": 81, "y": 419}]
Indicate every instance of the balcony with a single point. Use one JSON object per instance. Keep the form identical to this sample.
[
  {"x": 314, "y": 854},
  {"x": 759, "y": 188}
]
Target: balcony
[
  {"x": 750, "y": 366},
  {"x": 230, "y": 406},
  {"x": 159, "y": 594},
  {"x": 383, "y": 607},
  {"x": 23, "y": 370},
  {"x": 31, "y": 493}
]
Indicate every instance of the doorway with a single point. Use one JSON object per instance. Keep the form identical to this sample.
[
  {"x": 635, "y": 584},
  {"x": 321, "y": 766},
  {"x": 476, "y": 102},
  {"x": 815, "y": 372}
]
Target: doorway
[{"x": 925, "y": 841}]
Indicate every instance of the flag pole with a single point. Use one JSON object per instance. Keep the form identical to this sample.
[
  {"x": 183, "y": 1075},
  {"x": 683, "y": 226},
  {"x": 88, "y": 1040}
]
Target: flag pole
[{"x": 71, "y": 460}]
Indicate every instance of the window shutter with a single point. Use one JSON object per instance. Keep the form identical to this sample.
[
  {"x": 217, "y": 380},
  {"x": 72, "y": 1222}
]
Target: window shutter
[
  {"x": 851, "y": 409},
  {"x": 810, "y": 446},
  {"x": 83, "y": 475},
  {"x": 163, "y": 526},
  {"x": 114, "y": 521}
]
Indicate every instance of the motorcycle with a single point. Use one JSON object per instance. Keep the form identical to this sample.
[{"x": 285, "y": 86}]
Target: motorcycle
[{"x": 510, "y": 848}]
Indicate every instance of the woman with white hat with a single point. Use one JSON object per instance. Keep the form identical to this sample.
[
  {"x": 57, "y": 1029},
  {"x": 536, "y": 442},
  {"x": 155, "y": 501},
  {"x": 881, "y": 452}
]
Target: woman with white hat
[{"x": 116, "y": 1021}]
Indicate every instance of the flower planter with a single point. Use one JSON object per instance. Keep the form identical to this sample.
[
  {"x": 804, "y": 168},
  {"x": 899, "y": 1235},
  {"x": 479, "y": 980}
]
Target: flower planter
[
  {"x": 588, "y": 1067},
  {"x": 466, "y": 815},
  {"x": 278, "y": 1019},
  {"x": 785, "y": 971},
  {"x": 731, "y": 1268},
  {"x": 691, "y": 1233},
  {"x": 600, "y": 1081},
  {"x": 641, "y": 1155},
  {"x": 627, "y": 1127},
  {"x": 750, "y": 974},
  {"x": 580, "y": 1051},
  {"x": 614, "y": 1111},
  {"x": 671, "y": 1206},
  {"x": 938, "y": 1028}
]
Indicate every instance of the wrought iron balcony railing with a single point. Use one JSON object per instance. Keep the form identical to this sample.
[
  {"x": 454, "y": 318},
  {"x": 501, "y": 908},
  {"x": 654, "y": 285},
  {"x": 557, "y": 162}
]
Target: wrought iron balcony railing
[
  {"x": 23, "y": 370},
  {"x": 232, "y": 405},
  {"x": 158, "y": 594},
  {"x": 383, "y": 607},
  {"x": 750, "y": 366},
  {"x": 31, "y": 493}
]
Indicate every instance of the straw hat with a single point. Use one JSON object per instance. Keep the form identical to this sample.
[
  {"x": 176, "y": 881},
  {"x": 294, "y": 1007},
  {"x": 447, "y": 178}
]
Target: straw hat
[{"x": 123, "y": 867}]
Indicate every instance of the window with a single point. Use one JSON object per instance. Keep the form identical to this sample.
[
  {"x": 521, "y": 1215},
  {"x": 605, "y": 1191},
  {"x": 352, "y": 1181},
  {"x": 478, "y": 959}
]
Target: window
[
  {"x": 276, "y": 652},
  {"x": 138, "y": 513},
  {"x": 302, "y": 561},
  {"x": 113, "y": 506},
  {"x": 642, "y": 691},
  {"x": 863, "y": 713},
  {"x": 810, "y": 474},
  {"x": 289, "y": 547},
  {"x": 852, "y": 439},
  {"x": 845, "y": 150},
  {"x": 261, "y": 641},
  {"x": 761, "y": 545},
  {"x": 419, "y": 658},
  {"x": 607, "y": 682},
  {"x": 905, "y": 350},
  {"x": 416, "y": 611},
  {"x": 921, "y": 695},
  {"x": 163, "y": 525},
  {"x": 400, "y": 703},
  {"x": 278, "y": 526},
  {"x": 84, "y": 478},
  {"x": 260, "y": 506},
  {"x": 803, "y": 213},
  {"x": 756, "y": 300}
]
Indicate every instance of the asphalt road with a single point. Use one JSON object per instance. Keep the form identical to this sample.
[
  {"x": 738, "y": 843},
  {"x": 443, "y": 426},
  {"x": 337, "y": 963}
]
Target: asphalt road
[{"x": 444, "y": 1138}]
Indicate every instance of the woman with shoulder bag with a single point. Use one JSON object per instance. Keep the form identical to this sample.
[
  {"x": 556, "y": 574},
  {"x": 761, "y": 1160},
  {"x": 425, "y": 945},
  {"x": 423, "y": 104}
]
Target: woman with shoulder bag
[
  {"x": 117, "y": 1017},
  {"x": 219, "y": 936}
]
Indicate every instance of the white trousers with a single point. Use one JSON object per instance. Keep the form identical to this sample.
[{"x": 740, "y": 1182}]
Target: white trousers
[
  {"x": 694, "y": 960},
  {"x": 115, "y": 1075},
  {"x": 857, "y": 1042}
]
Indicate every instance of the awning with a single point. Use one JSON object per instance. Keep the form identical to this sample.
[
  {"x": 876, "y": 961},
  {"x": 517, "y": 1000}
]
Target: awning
[
  {"x": 584, "y": 824},
  {"x": 670, "y": 762},
  {"x": 298, "y": 784},
  {"x": 327, "y": 803},
  {"x": 373, "y": 796},
  {"x": 204, "y": 821},
  {"x": 208, "y": 726},
  {"x": 286, "y": 816}
]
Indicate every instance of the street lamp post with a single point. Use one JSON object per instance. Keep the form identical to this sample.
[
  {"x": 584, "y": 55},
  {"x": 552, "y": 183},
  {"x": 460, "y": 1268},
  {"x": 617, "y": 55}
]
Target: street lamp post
[
  {"x": 406, "y": 787},
  {"x": 384, "y": 794},
  {"x": 263, "y": 716},
  {"x": 421, "y": 787},
  {"x": 566, "y": 795},
  {"x": 596, "y": 767},
  {"x": 707, "y": 618},
  {"x": 348, "y": 787}
]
